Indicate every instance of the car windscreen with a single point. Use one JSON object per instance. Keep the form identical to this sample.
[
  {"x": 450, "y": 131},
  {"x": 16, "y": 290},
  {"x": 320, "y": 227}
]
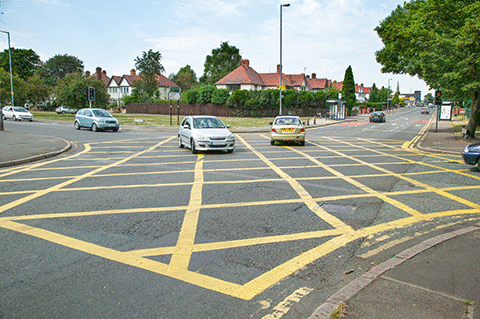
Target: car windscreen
[
  {"x": 101, "y": 113},
  {"x": 288, "y": 121},
  {"x": 20, "y": 109},
  {"x": 207, "y": 122}
]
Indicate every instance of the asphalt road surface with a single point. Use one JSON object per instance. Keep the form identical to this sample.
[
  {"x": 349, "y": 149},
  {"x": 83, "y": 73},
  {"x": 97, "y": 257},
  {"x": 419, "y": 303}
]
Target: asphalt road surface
[{"x": 129, "y": 225}]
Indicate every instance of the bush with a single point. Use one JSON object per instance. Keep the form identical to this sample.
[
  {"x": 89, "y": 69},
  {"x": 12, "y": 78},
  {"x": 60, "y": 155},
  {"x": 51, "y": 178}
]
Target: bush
[
  {"x": 192, "y": 96},
  {"x": 220, "y": 96},
  {"x": 238, "y": 98},
  {"x": 205, "y": 94}
]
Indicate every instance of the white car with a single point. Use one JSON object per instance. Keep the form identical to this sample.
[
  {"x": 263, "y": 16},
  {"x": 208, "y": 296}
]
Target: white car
[
  {"x": 65, "y": 109},
  {"x": 205, "y": 133},
  {"x": 16, "y": 113}
]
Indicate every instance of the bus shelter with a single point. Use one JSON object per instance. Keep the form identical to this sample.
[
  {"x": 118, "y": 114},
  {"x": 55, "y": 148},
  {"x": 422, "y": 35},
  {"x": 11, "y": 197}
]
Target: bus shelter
[{"x": 335, "y": 109}]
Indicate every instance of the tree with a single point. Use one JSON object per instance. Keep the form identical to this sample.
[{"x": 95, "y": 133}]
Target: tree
[
  {"x": 36, "y": 90},
  {"x": 185, "y": 78},
  {"x": 348, "y": 89},
  {"x": 24, "y": 62},
  {"x": 438, "y": 41},
  {"x": 222, "y": 61},
  {"x": 71, "y": 91},
  {"x": 428, "y": 99},
  {"x": 58, "y": 67},
  {"x": 150, "y": 68},
  {"x": 220, "y": 96},
  {"x": 19, "y": 85},
  {"x": 374, "y": 97}
]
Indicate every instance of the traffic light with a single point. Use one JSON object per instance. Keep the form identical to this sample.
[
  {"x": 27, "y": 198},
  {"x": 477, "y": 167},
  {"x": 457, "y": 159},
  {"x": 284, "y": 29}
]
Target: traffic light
[
  {"x": 91, "y": 94},
  {"x": 438, "y": 96}
]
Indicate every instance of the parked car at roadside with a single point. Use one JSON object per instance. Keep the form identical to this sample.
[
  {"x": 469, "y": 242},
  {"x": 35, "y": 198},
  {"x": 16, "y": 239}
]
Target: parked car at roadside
[
  {"x": 471, "y": 154},
  {"x": 16, "y": 113},
  {"x": 205, "y": 133},
  {"x": 96, "y": 120},
  {"x": 65, "y": 110},
  {"x": 287, "y": 129},
  {"x": 377, "y": 117}
]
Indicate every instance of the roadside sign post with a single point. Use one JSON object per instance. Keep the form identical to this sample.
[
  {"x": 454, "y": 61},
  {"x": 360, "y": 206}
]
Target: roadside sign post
[{"x": 174, "y": 95}]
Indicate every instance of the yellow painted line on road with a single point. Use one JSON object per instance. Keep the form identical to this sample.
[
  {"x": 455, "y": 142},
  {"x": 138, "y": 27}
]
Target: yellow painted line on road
[
  {"x": 304, "y": 195},
  {"x": 283, "y": 307},
  {"x": 365, "y": 188},
  {"x": 73, "y": 180},
  {"x": 186, "y": 239}
]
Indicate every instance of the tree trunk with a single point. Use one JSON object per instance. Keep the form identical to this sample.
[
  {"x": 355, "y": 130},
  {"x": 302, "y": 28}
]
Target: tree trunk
[{"x": 474, "y": 116}]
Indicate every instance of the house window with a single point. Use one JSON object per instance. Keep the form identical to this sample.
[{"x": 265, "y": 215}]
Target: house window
[{"x": 233, "y": 87}]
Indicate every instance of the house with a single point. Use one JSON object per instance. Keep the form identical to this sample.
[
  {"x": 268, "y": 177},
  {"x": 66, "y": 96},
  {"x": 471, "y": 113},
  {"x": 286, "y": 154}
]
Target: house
[
  {"x": 246, "y": 78},
  {"x": 120, "y": 86}
]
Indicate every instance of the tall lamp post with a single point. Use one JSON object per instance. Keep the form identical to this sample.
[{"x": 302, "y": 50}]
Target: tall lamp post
[
  {"x": 281, "y": 6},
  {"x": 11, "y": 78}
]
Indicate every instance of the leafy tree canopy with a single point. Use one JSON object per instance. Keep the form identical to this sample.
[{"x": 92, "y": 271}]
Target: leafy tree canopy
[
  {"x": 438, "y": 41},
  {"x": 150, "y": 67},
  {"x": 185, "y": 78},
  {"x": 222, "y": 61},
  {"x": 71, "y": 91},
  {"x": 58, "y": 67},
  {"x": 24, "y": 62}
]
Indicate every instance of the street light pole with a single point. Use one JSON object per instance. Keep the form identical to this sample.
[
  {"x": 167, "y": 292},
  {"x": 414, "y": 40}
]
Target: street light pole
[
  {"x": 280, "y": 68},
  {"x": 10, "y": 62}
]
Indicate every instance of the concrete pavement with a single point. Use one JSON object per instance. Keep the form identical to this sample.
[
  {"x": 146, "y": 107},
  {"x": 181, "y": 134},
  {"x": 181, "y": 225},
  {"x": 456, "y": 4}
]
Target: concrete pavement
[{"x": 442, "y": 281}]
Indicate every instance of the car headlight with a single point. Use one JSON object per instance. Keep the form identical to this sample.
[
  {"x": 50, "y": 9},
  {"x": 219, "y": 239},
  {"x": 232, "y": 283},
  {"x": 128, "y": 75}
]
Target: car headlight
[
  {"x": 466, "y": 150},
  {"x": 201, "y": 138},
  {"x": 101, "y": 121},
  {"x": 231, "y": 137}
]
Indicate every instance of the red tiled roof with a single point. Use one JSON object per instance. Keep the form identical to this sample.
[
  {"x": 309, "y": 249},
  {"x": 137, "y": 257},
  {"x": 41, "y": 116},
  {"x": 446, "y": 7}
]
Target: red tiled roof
[
  {"x": 318, "y": 84},
  {"x": 243, "y": 74},
  {"x": 101, "y": 76}
]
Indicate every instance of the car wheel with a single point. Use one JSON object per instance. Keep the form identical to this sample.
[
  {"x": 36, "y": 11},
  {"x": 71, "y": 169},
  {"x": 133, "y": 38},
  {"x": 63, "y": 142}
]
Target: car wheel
[
  {"x": 76, "y": 125},
  {"x": 272, "y": 142},
  {"x": 4, "y": 118},
  {"x": 229, "y": 151},
  {"x": 30, "y": 120},
  {"x": 14, "y": 118},
  {"x": 94, "y": 127},
  {"x": 192, "y": 145},
  {"x": 115, "y": 129},
  {"x": 302, "y": 143},
  {"x": 63, "y": 112},
  {"x": 180, "y": 143}
]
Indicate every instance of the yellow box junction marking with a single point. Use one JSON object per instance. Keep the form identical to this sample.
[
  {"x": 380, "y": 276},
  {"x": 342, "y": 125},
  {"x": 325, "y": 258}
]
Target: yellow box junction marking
[{"x": 340, "y": 235}]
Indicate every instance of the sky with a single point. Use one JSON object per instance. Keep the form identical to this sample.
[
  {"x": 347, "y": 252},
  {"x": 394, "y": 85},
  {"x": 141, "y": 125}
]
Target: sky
[{"x": 318, "y": 36}]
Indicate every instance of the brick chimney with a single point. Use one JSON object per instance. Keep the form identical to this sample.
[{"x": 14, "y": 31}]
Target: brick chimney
[
  {"x": 98, "y": 73},
  {"x": 245, "y": 63},
  {"x": 133, "y": 72},
  {"x": 87, "y": 74},
  {"x": 314, "y": 76}
]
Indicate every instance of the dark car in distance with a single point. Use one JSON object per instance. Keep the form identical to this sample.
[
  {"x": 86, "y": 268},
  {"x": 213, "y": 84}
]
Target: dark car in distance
[{"x": 377, "y": 117}]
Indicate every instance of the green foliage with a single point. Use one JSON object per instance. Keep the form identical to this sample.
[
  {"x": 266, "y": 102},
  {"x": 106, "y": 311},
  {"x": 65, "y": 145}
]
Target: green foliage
[
  {"x": 306, "y": 99},
  {"x": 438, "y": 41},
  {"x": 290, "y": 99},
  {"x": 221, "y": 62},
  {"x": 205, "y": 94},
  {"x": 150, "y": 67},
  {"x": 220, "y": 96},
  {"x": 71, "y": 91},
  {"x": 192, "y": 96},
  {"x": 374, "y": 96},
  {"x": 238, "y": 98},
  {"x": 19, "y": 88},
  {"x": 58, "y": 67},
  {"x": 36, "y": 90},
  {"x": 185, "y": 78},
  {"x": 428, "y": 98},
  {"x": 24, "y": 62},
  {"x": 348, "y": 89}
]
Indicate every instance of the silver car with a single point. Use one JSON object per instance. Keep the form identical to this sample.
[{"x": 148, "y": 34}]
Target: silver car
[
  {"x": 287, "y": 129},
  {"x": 96, "y": 120},
  {"x": 205, "y": 133},
  {"x": 16, "y": 113}
]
